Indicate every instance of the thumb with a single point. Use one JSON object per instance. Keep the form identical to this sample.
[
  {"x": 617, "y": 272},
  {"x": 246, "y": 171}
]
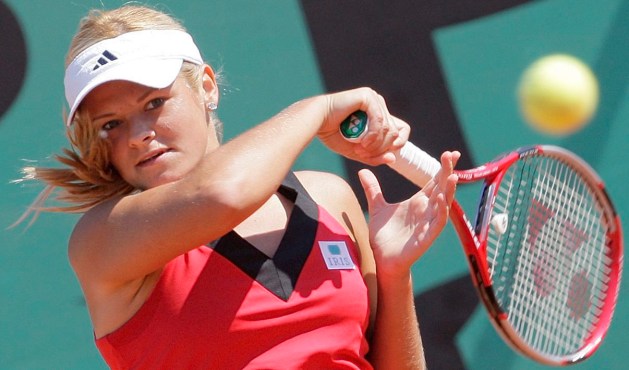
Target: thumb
[{"x": 372, "y": 190}]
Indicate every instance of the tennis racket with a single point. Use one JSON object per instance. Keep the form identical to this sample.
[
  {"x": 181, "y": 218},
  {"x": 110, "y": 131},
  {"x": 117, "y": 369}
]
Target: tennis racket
[{"x": 545, "y": 251}]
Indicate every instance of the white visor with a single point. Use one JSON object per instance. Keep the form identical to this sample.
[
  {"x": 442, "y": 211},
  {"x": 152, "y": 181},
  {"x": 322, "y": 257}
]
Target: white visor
[{"x": 151, "y": 58}]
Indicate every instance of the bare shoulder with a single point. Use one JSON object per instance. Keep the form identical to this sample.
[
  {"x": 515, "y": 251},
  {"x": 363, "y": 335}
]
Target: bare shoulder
[
  {"x": 84, "y": 246},
  {"x": 334, "y": 194},
  {"x": 110, "y": 301},
  {"x": 328, "y": 189}
]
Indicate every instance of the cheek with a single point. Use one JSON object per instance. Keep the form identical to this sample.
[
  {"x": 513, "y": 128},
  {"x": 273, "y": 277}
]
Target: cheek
[
  {"x": 117, "y": 155},
  {"x": 192, "y": 127},
  {"x": 198, "y": 139}
]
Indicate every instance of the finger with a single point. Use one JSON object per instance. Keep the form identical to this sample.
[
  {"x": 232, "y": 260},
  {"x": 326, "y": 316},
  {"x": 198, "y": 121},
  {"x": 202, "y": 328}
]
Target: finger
[
  {"x": 381, "y": 150},
  {"x": 446, "y": 164},
  {"x": 385, "y": 134},
  {"x": 442, "y": 208},
  {"x": 456, "y": 155},
  {"x": 381, "y": 140},
  {"x": 452, "y": 179},
  {"x": 437, "y": 183},
  {"x": 372, "y": 190},
  {"x": 448, "y": 161},
  {"x": 404, "y": 131},
  {"x": 364, "y": 156},
  {"x": 377, "y": 117},
  {"x": 440, "y": 217},
  {"x": 451, "y": 188}
]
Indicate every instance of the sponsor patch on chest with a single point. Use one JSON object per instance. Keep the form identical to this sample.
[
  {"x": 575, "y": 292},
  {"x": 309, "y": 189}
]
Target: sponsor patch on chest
[{"x": 336, "y": 255}]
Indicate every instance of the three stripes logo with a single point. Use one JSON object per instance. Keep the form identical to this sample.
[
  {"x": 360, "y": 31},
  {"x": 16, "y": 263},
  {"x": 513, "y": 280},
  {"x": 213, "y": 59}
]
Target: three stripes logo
[{"x": 105, "y": 58}]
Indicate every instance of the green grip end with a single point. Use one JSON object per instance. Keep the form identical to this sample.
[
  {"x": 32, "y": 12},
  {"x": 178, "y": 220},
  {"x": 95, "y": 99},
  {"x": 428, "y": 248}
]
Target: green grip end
[{"x": 353, "y": 127}]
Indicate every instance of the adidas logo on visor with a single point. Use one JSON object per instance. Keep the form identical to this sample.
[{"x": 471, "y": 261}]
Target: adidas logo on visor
[{"x": 105, "y": 58}]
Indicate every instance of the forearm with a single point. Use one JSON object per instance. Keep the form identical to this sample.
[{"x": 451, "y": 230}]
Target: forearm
[
  {"x": 397, "y": 342},
  {"x": 258, "y": 159}
]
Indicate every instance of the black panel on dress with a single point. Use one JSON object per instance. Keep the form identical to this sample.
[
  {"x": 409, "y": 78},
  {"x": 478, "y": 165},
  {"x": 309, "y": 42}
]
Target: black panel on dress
[{"x": 278, "y": 274}]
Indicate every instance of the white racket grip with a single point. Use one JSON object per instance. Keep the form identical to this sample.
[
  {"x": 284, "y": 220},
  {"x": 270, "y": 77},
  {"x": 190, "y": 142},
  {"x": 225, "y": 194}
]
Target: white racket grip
[
  {"x": 415, "y": 165},
  {"x": 411, "y": 162}
]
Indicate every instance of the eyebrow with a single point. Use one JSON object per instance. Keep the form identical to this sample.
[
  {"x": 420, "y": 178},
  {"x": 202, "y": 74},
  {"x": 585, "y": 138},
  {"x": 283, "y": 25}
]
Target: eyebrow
[{"x": 149, "y": 91}]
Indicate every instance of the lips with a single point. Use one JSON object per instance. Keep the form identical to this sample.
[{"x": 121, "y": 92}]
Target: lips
[{"x": 151, "y": 157}]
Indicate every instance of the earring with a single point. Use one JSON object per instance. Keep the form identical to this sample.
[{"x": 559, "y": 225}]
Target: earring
[{"x": 212, "y": 106}]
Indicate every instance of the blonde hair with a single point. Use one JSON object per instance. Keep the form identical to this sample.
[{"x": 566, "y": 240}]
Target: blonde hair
[{"x": 87, "y": 177}]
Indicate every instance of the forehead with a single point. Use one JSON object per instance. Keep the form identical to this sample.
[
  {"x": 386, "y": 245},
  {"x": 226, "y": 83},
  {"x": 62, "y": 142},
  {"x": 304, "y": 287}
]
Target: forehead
[{"x": 117, "y": 94}]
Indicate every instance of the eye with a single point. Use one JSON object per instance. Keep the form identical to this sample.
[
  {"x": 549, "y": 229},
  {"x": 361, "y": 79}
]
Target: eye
[
  {"x": 155, "y": 103},
  {"x": 110, "y": 125}
]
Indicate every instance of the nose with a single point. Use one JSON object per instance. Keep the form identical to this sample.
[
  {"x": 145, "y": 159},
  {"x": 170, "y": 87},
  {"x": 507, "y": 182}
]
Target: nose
[{"x": 142, "y": 131}]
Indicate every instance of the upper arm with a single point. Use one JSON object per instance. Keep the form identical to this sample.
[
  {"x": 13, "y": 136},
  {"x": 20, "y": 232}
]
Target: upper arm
[
  {"x": 338, "y": 198},
  {"x": 127, "y": 238}
]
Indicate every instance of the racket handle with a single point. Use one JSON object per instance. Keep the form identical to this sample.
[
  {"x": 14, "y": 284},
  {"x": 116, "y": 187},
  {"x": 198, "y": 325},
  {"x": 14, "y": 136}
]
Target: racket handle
[{"x": 411, "y": 162}]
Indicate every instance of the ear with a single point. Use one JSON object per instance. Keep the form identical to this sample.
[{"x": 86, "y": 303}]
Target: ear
[{"x": 210, "y": 87}]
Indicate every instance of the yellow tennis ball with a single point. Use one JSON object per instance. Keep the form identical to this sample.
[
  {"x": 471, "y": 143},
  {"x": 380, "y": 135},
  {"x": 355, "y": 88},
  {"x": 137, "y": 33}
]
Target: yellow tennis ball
[{"x": 558, "y": 94}]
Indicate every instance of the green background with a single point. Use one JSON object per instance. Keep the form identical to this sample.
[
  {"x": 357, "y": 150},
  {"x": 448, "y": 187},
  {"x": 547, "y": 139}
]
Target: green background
[{"x": 267, "y": 61}]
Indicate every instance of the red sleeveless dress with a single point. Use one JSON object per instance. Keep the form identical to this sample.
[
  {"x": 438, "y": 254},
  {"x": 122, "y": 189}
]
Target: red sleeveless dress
[{"x": 228, "y": 306}]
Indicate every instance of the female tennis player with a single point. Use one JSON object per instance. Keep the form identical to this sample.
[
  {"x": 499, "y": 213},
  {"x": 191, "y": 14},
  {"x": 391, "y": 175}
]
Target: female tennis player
[{"x": 197, "y": 254}]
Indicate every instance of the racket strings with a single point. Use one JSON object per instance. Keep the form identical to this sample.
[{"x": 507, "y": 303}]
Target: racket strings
[
  {"x": 569, "y": 238},
  {"x": 550, "y": 281},
  {"x": 550, "y": 267}
]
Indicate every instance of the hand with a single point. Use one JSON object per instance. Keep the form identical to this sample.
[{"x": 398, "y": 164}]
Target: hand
[
  {"x": 400, "y": 233},
  {"x": 386, "y": 133}
]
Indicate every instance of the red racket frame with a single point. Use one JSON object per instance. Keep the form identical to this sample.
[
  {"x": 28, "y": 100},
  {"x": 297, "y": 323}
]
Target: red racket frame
[{"x": 474, "y": 241}]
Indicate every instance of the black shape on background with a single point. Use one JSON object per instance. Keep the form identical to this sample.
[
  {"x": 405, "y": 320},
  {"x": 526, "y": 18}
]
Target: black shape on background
[
  {"x": 387, "y": 45},
  {"x": 13, "y": 58},
  {"x": 441, "y": 312}
]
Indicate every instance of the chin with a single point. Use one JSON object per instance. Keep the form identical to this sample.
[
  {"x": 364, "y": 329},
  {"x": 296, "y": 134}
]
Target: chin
[{"x": 155, "y": 182}]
